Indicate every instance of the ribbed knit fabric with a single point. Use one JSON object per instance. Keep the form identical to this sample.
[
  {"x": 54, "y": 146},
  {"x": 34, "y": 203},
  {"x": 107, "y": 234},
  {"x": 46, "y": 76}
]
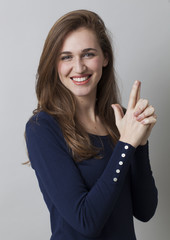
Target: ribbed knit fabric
[{"x": 95, "y": 198}]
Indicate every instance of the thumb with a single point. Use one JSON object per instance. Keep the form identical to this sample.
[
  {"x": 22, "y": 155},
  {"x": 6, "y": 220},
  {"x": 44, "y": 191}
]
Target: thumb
[{"x": 118, "y": 111}]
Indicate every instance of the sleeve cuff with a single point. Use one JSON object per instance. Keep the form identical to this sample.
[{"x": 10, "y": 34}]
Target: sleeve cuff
[{"x": 119, "y": 163}]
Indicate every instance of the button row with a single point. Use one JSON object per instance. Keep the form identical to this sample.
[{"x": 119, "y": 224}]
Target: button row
[{"x": 120, "y": 163}]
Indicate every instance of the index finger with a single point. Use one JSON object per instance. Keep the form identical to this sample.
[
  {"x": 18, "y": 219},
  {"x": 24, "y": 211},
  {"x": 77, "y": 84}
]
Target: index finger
[
  {"x": 134, "y": 95},
  {"x": 138, "y": 94}
]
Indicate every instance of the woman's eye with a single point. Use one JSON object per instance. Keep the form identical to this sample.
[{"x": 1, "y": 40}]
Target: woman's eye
[
  {"x": 66, "y": 58},
  {"x": 89, "y": 55}
]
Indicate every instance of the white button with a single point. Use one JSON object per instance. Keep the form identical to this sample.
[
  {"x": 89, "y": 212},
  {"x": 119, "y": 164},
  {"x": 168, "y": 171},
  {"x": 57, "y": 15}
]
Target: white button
[
  {"x": 115, "y": 179},
  {"x": 123, "y": 154},
  {"x": 120, "y": 163},
  {"x": 117, "y": 170},
  {"x": 126, "y": 146}
]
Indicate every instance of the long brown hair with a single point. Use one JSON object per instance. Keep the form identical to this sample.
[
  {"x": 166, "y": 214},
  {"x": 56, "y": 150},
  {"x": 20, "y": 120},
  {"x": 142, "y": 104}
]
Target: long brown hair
[{"x": 55, "y": 99}]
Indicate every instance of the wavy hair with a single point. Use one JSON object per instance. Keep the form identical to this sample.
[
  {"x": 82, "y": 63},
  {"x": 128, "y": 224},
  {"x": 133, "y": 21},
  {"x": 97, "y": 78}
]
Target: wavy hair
[{"x": 55, "y": 99}]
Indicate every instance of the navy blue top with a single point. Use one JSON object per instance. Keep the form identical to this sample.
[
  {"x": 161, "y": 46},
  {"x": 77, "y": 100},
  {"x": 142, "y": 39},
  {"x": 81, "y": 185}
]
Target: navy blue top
[{"x": 95, "y": 198}]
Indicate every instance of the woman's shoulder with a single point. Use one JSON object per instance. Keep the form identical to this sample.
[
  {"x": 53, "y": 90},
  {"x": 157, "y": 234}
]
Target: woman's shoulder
[
  {"x": 42, "y": 121},
  {"x": 40, "y": 116},
  {"x": 43, "y": 129}
]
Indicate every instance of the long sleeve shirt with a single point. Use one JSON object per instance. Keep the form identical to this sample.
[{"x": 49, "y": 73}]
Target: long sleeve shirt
[{"x": 94, "y": 198}]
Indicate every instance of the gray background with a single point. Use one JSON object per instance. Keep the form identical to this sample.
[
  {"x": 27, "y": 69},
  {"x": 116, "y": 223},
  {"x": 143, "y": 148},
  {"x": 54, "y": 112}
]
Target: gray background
[{"x": 141, "y": 39}]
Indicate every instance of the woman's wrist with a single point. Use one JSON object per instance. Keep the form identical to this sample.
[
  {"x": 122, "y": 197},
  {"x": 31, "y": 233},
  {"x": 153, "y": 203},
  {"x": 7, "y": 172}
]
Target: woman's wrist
[
  {"x": 129, "y": 141},
  {"x": 143, "y": 143}
]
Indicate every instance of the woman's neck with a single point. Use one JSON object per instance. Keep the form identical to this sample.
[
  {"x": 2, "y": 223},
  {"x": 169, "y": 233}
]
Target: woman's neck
[
  {"x": 86, "y": 115},
  {"x": 85, "y": 108}
]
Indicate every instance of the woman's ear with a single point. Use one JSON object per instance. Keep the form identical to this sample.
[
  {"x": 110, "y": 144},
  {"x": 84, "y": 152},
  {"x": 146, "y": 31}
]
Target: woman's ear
[{"x": 105, "y": 61}]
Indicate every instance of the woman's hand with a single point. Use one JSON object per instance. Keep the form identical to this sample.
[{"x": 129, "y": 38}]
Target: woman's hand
[
  {"x": 145, "y": 114},
  {"x": 136, "y": 125}
]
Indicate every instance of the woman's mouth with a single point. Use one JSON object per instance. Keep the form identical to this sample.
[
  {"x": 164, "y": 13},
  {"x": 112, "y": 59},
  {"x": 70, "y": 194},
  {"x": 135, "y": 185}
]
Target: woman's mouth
[{"x": 80, "y": 80}]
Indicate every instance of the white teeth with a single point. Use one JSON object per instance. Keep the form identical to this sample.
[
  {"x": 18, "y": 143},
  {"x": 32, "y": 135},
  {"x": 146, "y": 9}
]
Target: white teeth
[{"x": 80, "y": 79}]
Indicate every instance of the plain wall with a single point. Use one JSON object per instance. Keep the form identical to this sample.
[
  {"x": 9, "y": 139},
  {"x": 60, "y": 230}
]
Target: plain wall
[{"x": 141, "y": 40}]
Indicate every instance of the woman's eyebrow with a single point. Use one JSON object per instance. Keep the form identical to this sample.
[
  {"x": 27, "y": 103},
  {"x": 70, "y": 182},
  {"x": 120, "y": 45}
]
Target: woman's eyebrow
[
  {"x": 89, "y": 49},
  {"x": 66, "y": 52},
  {"x": 83, "y": 51}
]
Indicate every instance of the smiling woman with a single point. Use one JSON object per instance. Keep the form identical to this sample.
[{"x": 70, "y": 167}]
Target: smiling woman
[
  {"x": 91, "y": 160},
  {"x": 81, "y": 63},
  {"x": 78, "y": 42}
]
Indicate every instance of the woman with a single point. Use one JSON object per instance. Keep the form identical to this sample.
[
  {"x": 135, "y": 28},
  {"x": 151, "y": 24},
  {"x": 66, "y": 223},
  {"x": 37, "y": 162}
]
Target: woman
[{"x": 89, "y": 155}]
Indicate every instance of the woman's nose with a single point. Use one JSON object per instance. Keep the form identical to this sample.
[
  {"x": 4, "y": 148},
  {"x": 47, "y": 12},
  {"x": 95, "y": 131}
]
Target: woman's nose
[{"x": 79, "y": 65}]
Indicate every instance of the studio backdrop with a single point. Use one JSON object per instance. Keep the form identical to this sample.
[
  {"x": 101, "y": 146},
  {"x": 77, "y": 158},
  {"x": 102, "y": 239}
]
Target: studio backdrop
[{"x": 141, "y": 41}]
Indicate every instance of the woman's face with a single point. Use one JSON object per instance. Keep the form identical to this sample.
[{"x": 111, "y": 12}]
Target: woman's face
[{"x": 80, "y": 62}]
